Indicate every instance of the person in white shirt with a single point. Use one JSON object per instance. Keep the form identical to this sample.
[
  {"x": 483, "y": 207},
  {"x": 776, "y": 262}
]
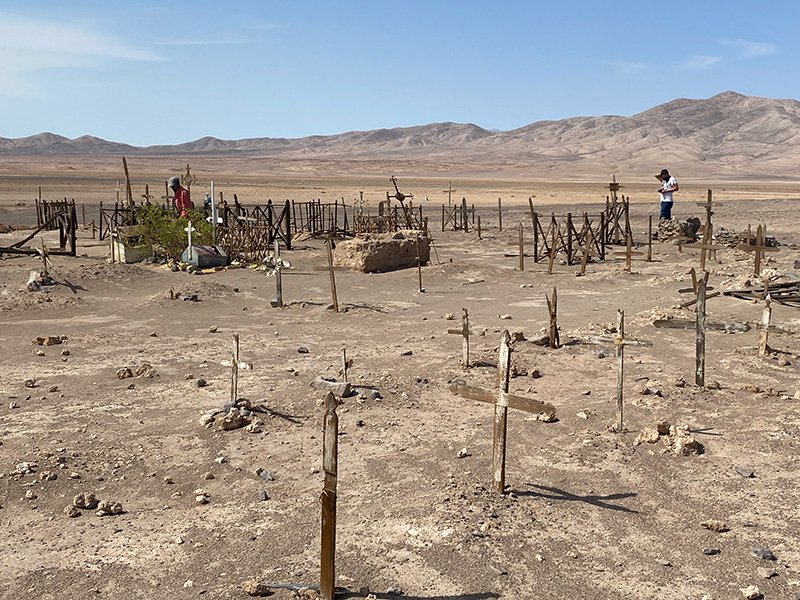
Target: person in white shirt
[{"x": 668, "y": 185}]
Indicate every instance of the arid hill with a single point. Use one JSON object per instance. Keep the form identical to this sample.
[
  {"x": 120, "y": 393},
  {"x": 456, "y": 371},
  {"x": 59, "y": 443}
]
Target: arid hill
[{"x": 727, "y": 135}]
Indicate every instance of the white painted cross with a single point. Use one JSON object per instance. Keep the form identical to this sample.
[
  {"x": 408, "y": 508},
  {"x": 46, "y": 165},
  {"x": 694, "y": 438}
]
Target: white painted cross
[{"x": 189, "y": 231}]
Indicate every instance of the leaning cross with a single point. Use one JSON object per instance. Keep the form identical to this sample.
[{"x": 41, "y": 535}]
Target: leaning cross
[
  {"x": 466, "y": 333},
  {"x": 758, "y": 249},
  {"x": 502, "y": 401},
  {"x": 330, "y": 268},
  {"x": 587, "y": 251}
]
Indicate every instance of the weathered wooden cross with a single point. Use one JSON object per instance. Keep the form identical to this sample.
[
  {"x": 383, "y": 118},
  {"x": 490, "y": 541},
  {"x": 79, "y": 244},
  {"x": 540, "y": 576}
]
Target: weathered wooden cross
[
  {"x": 346, "y": 364},
  {"x": 520, "y": 244},
  {"x": 758, "y": 249},
  {"x": 708, "y": 205},
  {"x": 466, "y": 333},
  {"x": 419, "y": 267},
  {"x": 45, "y": 254},
  {"x": 450, "y": 189},
  {"x": 628, "y": 253},
  {"x": 118, "y": 189},
  {"x": 330, "y": 268},
  {"x": 128, "y": 192},
  {"x": 147, "y": 195},
  {"x": 166, "y": 197},
  {"x": 700, "y": 325},
  {"x": 279, "y": 264},
  {"x": 693, "y": 290},
  {"x": 502, "y": 401},
  {"x": 188, "y": 179},
  {"x": 586, "y": 250},
  {"x": 330, "y": 466}
]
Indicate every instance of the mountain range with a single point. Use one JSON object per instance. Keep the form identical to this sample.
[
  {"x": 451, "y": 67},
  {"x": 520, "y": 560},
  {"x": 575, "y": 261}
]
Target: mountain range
[{"x": 727, "y": 134}]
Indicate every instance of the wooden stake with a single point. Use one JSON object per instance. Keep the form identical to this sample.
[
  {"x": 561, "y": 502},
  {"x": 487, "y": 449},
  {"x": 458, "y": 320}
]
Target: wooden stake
[
  {"x": 128, "y": 192},
  {"x": 620, "y": 343},
  {"x": 83, "y": 213},
  {"x": 330, "y": 465},
  {"x": 521, "y": 250},
  {"x": 501, "y": 415},
  {"x": 479, "y": 227},
  {"x": 533, "y": 213},
  {"x": 552, "y": 309},
  {"x": 328, "y": 244},
  {"x": 419, "y": 267},
  {"x": 700, "y": 359},
  {"x": 235, "y": 370},
  {"x": 500, "y": 213},
  {"x": 650, "y": 239},
  {"x": 278, "y": 303},
  {"x": 763, "y": 330},
  {"x": 345, "y": 365}
]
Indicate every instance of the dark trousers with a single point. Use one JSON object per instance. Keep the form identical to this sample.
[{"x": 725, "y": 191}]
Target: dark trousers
[{"x": 666, "y": 210}]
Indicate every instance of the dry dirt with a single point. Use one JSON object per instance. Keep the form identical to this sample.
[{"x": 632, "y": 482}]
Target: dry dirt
[{"x": 587, "y": 514}]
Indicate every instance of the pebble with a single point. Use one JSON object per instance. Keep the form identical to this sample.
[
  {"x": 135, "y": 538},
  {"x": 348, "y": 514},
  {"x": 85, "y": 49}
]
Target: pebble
[
  {"x": 72, "y": 512},
  {"x": 65, "y": 352},
  {"x": 265, "y": 475},
  {"x": 30, "y": 383},
  {"x": 253, "y": 587},
  {"x": 153, "y": 334},
  {"x": 715, "y": 525},
  {"x": 751, "y": 592},
  {"x": 109, "y": 507},
  {"x": 201, "y": 382},
  {"x": 763, "y": 553},
  {"x": 746, "y": 473},
  {"x": 262, "y": 495},
  {"x": 664, "y": 562},
  {"x": 85, "y": 500},
  {"x": 766, "y": 572},
  {"x": 504, "y": 317},
  {"x": 302, "y": 350},
  {"x": 711, "y": 551},
  {"x": 208, "y": 475},
  {"x": 30, "y": 495},
  {"x": 212, "y": 329},
  {"x": 168, "y": 480},
  {"x": 463, "y": 453}
]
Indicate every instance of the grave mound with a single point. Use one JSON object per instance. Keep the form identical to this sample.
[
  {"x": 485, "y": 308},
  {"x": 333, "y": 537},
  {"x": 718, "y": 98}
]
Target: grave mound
[{"x": 375, "y": 253}]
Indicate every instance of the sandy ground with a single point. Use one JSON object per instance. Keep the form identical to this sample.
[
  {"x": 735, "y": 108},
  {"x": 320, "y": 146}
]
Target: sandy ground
[{"x": 588, "y": 514}]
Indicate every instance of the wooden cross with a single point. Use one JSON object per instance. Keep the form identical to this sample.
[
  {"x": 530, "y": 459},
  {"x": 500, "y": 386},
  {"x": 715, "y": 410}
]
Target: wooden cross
[
  {"x": 502, "y": 401},
  {"x": 758, "y": 249},
  {"x": 330, "y": 268},
  {"x": 45, "y": 253},
  {"x": 189, "y": 229},
  {"x": 466, "y": 333},
  {"x": 708, "y": 204},
  {"x": 613, "y": 188},
  {"x": 551, "y": 255},
  {"x": 693, "y": 290},
  {"x": 707, "y": 247},
  {"x": 763, "y": 328},
  {"x": 147, "y": 195},
  {"x": 628, "y": 253},
  {"x": 521, "y": 245},
  {"x": 128, "y": 192},
  {"x": 700, "y": 325},
  {"x": 188, "y": 179},
  {"x": 419, "y": 267},
  {"x": 330, "y": 466},
  {"x": 346, "y": 364},
  {"x": 586, "y": 250},
  {"x": 166, "y": 197},
  {"x": 450, "y": 189},
  {"x": 118, "y": 189},
  {"x": 650, "y": 239},
  {"x": 552, "y": 309}
]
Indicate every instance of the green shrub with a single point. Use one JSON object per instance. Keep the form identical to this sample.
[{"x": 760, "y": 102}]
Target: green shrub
[{"x": 166, "y": 231}]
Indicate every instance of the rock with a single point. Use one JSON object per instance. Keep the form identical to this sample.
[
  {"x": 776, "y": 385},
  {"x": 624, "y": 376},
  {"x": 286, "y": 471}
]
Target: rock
[
  {"x": 746, "y": 473},
  {"x": 169, "y": 480},
  {"x": 601, "y": 352},
  {"x": 12, "y": 405},
  {"x": 534, "y": 373},
  {"x": 145, "y": 370},
  {"x": 648, "y": 435},
  {"x": 711, "y": 551},
  {"x": 124, "y": 373},
  {"x": 505, "y": 317},
  {"x": 766, "y": 572},
  {"x": 234, "y": 419},
  {"x": 641, "y": 389},
  {"x": 72, "y": 512},
  {"x": 763, "y": 553},
  {"x": 682, "y": 443},
  {"x": 302, "y": 350},
  {"x": 48, "y": 476},
  {"x": 463, "y": 453},
  {"x": 517, "y": 336},
  {"x": 85, "y": 500},
  {"x": 749, "y": 387},
  {"x": 339, "y": 388},
  {"x": 253, "y": 587},
  {"x": 546, "y": 417},
  {"x": 52, "y": 389},
  {"x": 24, "y": 468},
  {"x": 201, "y": 382},
  {"x": 369, "y": 393},
  {"x": 109, "y": 507},
  {"x": 265, "y": 475},
  {"x": 30, "y": 383},
  {"x": 262, "y": 495},
  {"x": 407, "y": 353},
  {"x": 207, "y": 421},
  {"x": 393, "y": 591},
  {"x": 153, "y": 334},
  {"x": 207, "y": 475},
  {"x": 663, "y": 427},
  {"x": 750, "y": 592},
  {"x": 256, "y": 425},
  {"x": 784, "y": 362},
  {"x": 373, "y": 253},
  {"x": 50, "y": 340},
  {"x": 679, "y": 382},
  {"x": 715, "y": 525},
  {"x": 713, "y": 385},
  {"x": 30, "y": 495},
  {"x": 450, "y": 316},
  {"x": 663, "y": 562},
  {"x": 212, "y": 329},
  {"x": 540, "y": 340}
]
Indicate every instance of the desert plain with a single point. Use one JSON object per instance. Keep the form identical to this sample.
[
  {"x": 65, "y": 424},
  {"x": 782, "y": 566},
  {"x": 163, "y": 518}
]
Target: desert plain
[{"x": 588, "y": 512}]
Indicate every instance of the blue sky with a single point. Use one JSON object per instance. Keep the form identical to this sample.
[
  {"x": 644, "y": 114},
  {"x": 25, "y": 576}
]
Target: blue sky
[{"x": 172, "y": 71}]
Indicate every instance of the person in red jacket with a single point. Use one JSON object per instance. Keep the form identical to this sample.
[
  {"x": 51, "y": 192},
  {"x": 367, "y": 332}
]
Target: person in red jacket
[{"x": 181, "y": 200}]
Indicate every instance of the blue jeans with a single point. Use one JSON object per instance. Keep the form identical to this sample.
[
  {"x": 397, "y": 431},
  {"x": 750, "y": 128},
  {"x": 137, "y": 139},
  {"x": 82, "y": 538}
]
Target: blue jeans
[{"x": 666, "y": 210}]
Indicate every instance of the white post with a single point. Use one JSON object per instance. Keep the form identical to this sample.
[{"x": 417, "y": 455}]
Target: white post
[
  {"x": 213, "y": 214},
  {"x": 189, "y": 229}
]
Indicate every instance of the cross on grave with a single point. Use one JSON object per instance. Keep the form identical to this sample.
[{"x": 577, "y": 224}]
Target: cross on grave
[
  {"x": 628, "y": 253},
  {"x": 235, "y": 370},
  {"x": 419, "y": 267},
  {"x": 277, "y": 302},
  {"x": 189, "y": 229},
  {"x": 758, "y": 249},
  {"x": 502, "y": 401},
  {"x": 700, "y": 325},
  {"x": 44, "y": 252},
  {"x": 586, "y": 250},
  {"x": 763, "y": 327},
  {"x": 552, "y": 309},
  {"x": 521, "y": 245},
  {"x": 147, "y": 195},
  {"x": 346, "y": 364},
  {"x": 330, "y": 268},
  {"x": 466, "y": 333},
  {"x": 188, "y": 179},
  {"x": 693, "y": 290},
  {"x": 166, "y": 197},
  {"x": 708, "y": 205},
  {"x": 551, "y": 255},
  {"x": 118, "y": 189},
  {"x": 450, "y": 189},
  {"x": 707, "y": 247},
  {"x": 330, "y": 466}
]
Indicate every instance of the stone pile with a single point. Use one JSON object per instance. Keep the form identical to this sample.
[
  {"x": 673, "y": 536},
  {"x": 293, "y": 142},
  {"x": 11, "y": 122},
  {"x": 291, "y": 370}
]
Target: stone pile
[{"x": 677, "y": 438}]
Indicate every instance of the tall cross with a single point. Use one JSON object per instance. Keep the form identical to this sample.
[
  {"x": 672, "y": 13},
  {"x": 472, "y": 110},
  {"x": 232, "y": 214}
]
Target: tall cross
[
  {"x": 166, "y": 197},
  {"x": 502, "y": 401},
  {"x": 189, "y": 229},
  {"x": 520, "y": 243},
  {"x": 628, "y": 253},
  {"x": 188, "y": 179},
  {"x": 708, "y": 205},
  {"x": 465, "y": 333},
  {"x": 330, "y": 268}
]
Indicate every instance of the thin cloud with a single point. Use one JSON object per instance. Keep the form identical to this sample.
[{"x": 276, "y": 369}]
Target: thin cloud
[
  {"x": 748, "y": 49},
  {"x": 204, "y": 42},
  {"x": 698, "y": 62},
  {"x": 629, "y": 68}
]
